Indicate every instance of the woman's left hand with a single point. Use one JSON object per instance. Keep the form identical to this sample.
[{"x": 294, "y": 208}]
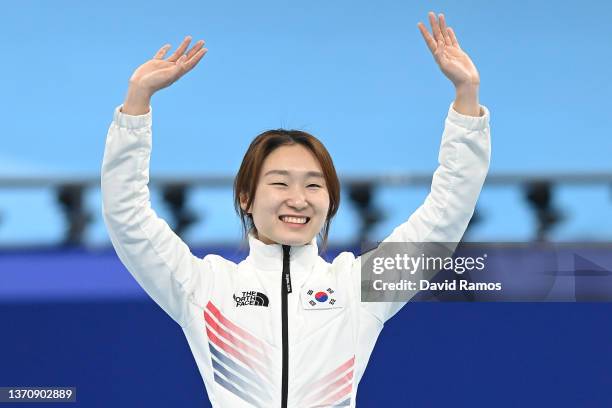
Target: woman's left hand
[{"x": 453, "y": 61}]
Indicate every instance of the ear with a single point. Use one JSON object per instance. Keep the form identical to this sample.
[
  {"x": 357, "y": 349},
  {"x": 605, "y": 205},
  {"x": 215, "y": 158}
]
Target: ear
[{"x": 243, "y": 201}]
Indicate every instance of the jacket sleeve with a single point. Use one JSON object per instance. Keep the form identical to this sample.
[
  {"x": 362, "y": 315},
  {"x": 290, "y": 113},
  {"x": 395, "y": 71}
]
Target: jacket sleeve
[
  {"x": 157, "y": 258},
  {"x": 464, "y": 157}
]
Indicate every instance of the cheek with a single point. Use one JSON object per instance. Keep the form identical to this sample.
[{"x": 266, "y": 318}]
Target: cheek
[
  {"x": 322, "y": 203},
  {"x": 265, "y": 203}
]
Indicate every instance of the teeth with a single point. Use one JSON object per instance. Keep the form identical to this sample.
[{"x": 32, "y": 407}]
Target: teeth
[{"x": 295, "y": 220}]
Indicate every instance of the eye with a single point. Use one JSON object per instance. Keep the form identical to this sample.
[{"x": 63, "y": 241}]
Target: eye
[
  {"x": 278, "y": 184},
  {"x": 314, "y": 185}
]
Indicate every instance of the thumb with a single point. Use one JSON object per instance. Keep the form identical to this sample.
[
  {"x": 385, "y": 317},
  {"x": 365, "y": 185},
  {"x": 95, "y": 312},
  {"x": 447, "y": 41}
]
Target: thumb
[
  {"x": 178, "y": 69},
  {"x": 180, "y": 63}
]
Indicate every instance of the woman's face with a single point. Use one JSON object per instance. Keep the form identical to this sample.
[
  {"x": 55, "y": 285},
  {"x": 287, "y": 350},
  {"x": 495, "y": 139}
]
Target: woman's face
[{"x": 291, "y": 200}]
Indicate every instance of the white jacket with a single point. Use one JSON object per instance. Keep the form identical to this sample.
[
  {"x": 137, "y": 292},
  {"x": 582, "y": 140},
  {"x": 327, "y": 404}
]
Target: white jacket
[{"x": 255, "y": 345}]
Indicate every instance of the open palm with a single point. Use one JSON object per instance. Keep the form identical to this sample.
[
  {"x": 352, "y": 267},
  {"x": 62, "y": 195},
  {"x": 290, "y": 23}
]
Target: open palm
[
  {"x": 159, "y": 73},
  {"x": 452, "y": 60}
]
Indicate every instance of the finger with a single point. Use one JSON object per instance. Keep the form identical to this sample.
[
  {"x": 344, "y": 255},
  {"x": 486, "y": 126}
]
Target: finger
[
  {"x": 435, "y": 27},
  {"x": 180, "y": 50},
  {"x": 443, "y": 29},
  {"x": 431, "y": 44},
  {"x": 451, "y": 34},
  {"x": 195, "y": 49},
  {"x": 162, "y": 51},
  {"x": 189, "y": 64},
  {"x": 183, "y": 65},
  {"x": 178, "y": 69}
]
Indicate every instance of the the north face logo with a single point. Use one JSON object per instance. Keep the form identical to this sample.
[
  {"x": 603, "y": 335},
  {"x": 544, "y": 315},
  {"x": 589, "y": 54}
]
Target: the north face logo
[{"x": 250, "y": 298}]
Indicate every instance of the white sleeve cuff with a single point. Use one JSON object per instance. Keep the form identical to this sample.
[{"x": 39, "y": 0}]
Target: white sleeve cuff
[
  {"x": 469, "y": 122},
  {"x": 130, "y": 121}
]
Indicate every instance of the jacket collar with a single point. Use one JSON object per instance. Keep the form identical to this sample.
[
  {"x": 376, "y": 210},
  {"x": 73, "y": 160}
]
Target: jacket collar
[{"x": 264, "y": 256}]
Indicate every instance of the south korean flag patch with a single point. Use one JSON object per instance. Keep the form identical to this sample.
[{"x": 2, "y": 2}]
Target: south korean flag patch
[{"x": 320, "y": 298}]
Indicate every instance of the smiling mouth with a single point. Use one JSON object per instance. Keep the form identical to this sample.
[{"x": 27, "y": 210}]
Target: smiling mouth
[{"x": 294, "y": 220}]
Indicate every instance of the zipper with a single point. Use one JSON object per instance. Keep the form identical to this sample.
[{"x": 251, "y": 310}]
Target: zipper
[{"x": 285, "y": 290}]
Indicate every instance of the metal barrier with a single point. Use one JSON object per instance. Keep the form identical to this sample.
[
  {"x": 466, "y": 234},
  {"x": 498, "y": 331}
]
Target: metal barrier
[{"x": 538, "y": 193}]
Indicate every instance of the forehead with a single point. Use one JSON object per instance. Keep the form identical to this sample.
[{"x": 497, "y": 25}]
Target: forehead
[{"x": 296, "y": 158}]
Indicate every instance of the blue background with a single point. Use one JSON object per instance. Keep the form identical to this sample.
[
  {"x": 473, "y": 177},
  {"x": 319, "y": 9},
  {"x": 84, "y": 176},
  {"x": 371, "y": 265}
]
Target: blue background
[
  {"x": 357, "y": 75},
  {"x": 77, "y": 318},
  {"x": 126, "y": 354}
]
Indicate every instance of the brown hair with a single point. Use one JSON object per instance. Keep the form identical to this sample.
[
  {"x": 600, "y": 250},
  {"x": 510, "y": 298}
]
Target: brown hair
[{"x": 265, "y": 143}]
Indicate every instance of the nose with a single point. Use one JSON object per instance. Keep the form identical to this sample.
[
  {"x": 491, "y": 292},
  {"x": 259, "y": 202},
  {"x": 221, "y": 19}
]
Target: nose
[{"x": 297, "y": 199}]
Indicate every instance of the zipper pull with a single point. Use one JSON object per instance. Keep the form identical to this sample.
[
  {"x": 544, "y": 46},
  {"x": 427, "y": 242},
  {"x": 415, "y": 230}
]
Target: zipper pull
[{"x": 286, "y": 271}]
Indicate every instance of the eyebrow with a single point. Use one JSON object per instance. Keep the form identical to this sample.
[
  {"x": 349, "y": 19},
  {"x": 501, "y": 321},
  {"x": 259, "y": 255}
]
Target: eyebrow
[{"x": 286, "y": 173}]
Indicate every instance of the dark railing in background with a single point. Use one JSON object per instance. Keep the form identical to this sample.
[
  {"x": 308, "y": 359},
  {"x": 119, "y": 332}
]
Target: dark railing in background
[{"x": 538, "y": 193}]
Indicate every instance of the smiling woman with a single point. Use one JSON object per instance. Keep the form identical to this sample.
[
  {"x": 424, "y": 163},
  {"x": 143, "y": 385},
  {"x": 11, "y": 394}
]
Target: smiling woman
[
  {"x": 286, "y": 190},
  {"x": 283, "y": 327}
]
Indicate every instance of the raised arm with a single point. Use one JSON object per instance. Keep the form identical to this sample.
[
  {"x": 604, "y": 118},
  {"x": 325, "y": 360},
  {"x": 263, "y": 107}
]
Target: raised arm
[
  {"x": 157, "y": 258},
  {"x": 463, "y": 159}
]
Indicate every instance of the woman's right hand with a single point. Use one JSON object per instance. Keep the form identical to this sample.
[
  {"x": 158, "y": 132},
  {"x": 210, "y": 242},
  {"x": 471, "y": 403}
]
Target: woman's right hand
[{"x": 159, "y": 73}]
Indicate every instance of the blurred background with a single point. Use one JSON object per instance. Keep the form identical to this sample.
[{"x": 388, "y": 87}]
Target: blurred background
[{"x": 358, "y": 76}]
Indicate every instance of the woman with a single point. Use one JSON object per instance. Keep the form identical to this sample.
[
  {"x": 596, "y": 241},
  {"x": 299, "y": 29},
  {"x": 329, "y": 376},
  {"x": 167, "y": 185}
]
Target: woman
[{"x": 283, "y": 327}]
